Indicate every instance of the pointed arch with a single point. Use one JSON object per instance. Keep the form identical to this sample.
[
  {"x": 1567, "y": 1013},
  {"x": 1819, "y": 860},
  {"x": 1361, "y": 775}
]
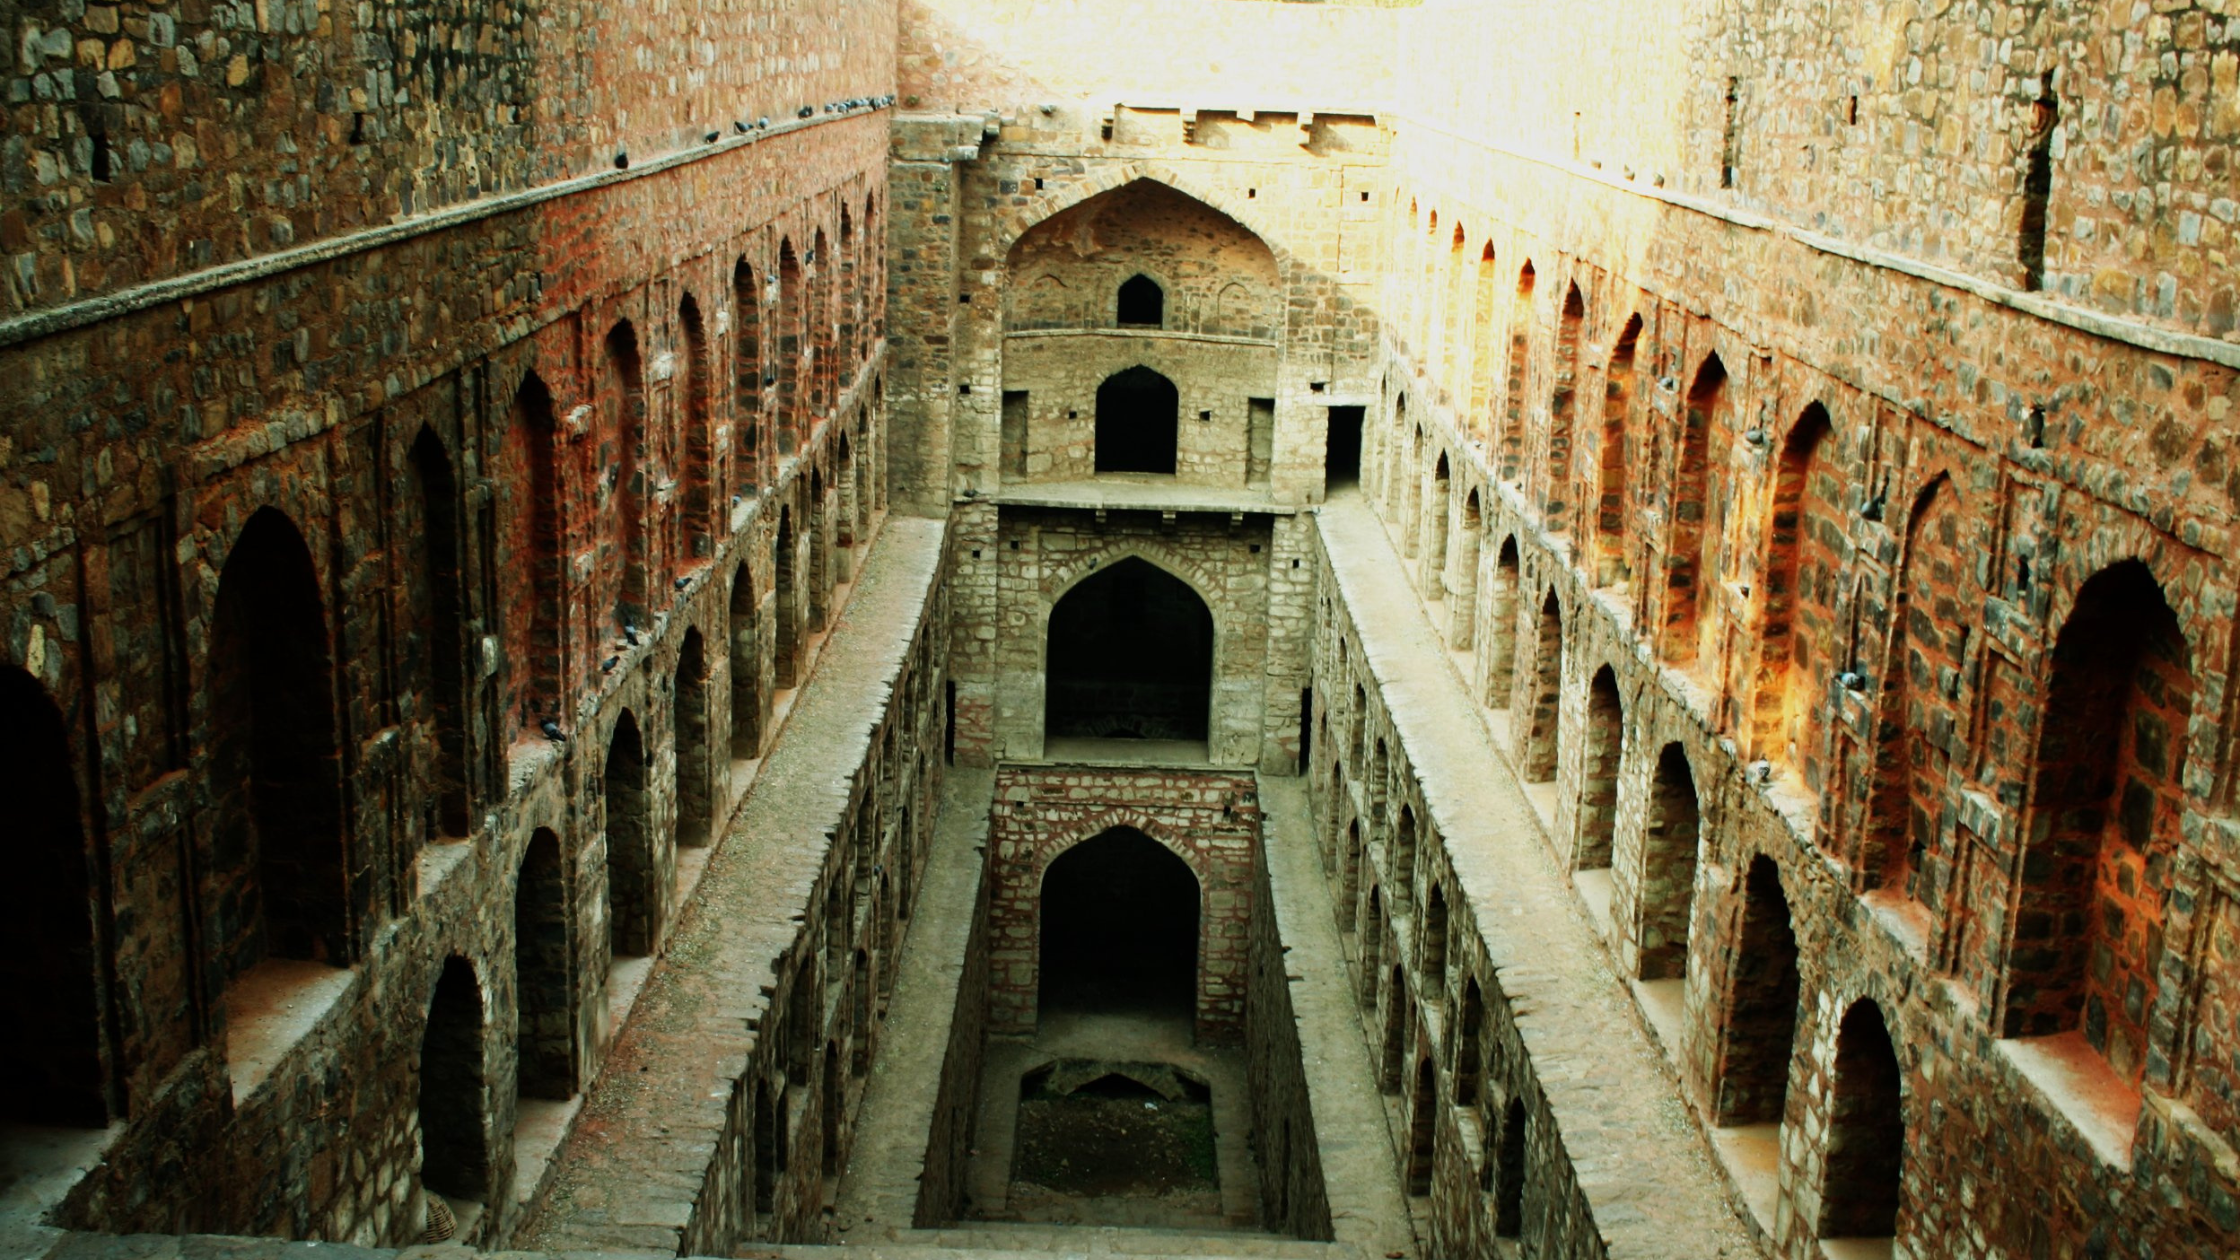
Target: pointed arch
[
  {"x": 698, "y": 537},
  {"x": 851, "y": 298},
  {"x": 1556, "y": 494},
  {"x": 694, "y": 788},
  {"x": 1423, "y": 1115},
  {"x": 1863, "y": 1188},
  {"x": 1799, "y": 601},
  {"x": 1404, "y": 846},
  {"x": 1918, "y": 710},
  {"x": 1120, "y": 930},
  {"x": 1437, "y": 513},
  {"x": 273, "y": 765},
  {"x": 50, "y": 1006},
  {"x": 788, "y": 347},
  {"x": 1666, "y": 896},
  {"x": 1509, "y": 449},
  {"x": 1462, "y": 575},
  {"x": 1129, "y": 654},
  {"x": 1501, "y": 627},
  {"x": 544, "y": 1035},
  {"x": 1509, "y": 1166},
  {"x": 816, "y": 336},
  {"x": 788, "y": 659},
  {"x": 1433, "y": 949},
  {"x": 1372, "y": 948},
  {"x": 746, "y": 378},
  {"x": 1469, "y": 1056},
  {"x": 454, "y": 1105},
  {"x": 1141, "y": 303},
  {"x": 622, "y": 403},
  {"x": 2106, "y": 801},
  {"x": 1598, "y": 780},
  {"x": 819, "y": 537},
  {"x": 436, "y": 598},
  {"x": 1543, "y": 711},
  {"x": 746, "y": 667},
  {"x": 1486, "y": 344},
  {"x": 530, "y": 552},
  {"x": 1759, "y": 1039},
  {"x": 1689, "y": 562},
  {"x": 1611, "y": 481},
  {"x": 633, "y": 894}
]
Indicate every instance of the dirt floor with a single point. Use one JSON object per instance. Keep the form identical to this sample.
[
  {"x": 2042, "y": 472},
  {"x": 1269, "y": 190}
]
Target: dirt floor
[{"x": 1115, "y": 1143}]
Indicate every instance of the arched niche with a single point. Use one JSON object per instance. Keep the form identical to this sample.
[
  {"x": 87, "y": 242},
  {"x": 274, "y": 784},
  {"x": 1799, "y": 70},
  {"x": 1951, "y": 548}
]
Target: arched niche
[{"x": 1210, "y": 273}]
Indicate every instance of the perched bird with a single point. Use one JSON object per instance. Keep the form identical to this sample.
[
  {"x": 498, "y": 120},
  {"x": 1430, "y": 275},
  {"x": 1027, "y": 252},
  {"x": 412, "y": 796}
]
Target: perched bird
[
  {"x": 1852, "y": 680},
  {"x": 683, "y": 582},
  {"x": 714, "y": 136},
  {"x": 630, "y": 634},
  {"x": 739, "y": 125},
  {"x": 622, "y": 160},
  {"x": 762, "y": 123},
  {"x": 552, "y": 731},
  {"x": 1761, "y": 770},
  {"x": 1873, "y": 510},
  {"x": 805, "y": 111},
  {"x": 607, "y": 665}
]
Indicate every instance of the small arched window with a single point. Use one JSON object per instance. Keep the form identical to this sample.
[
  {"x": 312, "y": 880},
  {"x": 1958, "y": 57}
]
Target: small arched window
[{"x": 1143, "y": 303}]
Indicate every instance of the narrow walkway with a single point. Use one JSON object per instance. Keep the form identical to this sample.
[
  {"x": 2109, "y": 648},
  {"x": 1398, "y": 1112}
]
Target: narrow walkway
[
  {"x": 879, "y": 1191},
  {"x": 1360, "y": 1166},
  {"x": 1639, "y": 1157},
  {"x": 629, "y": 1175}
]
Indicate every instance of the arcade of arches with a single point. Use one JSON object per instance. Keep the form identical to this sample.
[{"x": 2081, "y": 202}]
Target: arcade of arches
[{"x": 1337, "y": 642}]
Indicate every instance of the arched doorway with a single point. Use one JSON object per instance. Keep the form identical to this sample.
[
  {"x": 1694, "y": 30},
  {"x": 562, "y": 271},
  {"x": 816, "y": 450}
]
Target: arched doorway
[
  {"x": 282, "y": 890},
  {"x": 633, "y": 900},
  {"x": 1130, "y": 657},
  {"x": 1119, "y": 929},
  {"x": 1136, "y": 429},
  {"x": 454, "y": 1147},
  {"x": 50, "y": 1014},
  {"x": 1863, "y": 1188}
]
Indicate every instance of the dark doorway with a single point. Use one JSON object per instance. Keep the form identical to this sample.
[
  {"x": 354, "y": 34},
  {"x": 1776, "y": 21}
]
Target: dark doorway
[
  {"x": 1341, "y": 455},
  {"x": 273, "y": 762},
  {"x": 545, "y": 1032},
  {"x": 1136, "y": 410},
  {"x": 1119, "y": 929},
  {"x": 632, "y": 896},
  {"x": 1866, "y": 1131},
  {"x": 1142, "y": 304},
  {"x": 695, "y": 786},
  {"x": 455, "y": 1153},
  {"x": 1130, "y": 657},
  {"x": 1762, "y": 1020},
  {"x": 50, "y": 1040},
  {"x": 439, "y": 620},
  {"x": 1668, "y": 867}
]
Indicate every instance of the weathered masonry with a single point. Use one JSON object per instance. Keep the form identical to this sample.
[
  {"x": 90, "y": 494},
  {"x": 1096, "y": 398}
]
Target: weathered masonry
[{"x": 1329, "y": 630}]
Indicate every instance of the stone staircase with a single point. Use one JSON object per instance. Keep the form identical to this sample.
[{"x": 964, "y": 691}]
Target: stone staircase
[{"x": 1002, "y": 1240}]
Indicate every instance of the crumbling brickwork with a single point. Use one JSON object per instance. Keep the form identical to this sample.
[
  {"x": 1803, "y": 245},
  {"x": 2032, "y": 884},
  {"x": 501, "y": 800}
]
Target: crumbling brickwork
[{"x": 384, "y": 576}]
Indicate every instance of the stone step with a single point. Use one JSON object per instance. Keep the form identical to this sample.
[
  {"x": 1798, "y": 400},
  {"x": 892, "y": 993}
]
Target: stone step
[
  {"x": 984, "y": 1237},
  {"x": 996, "y": 1240}
]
